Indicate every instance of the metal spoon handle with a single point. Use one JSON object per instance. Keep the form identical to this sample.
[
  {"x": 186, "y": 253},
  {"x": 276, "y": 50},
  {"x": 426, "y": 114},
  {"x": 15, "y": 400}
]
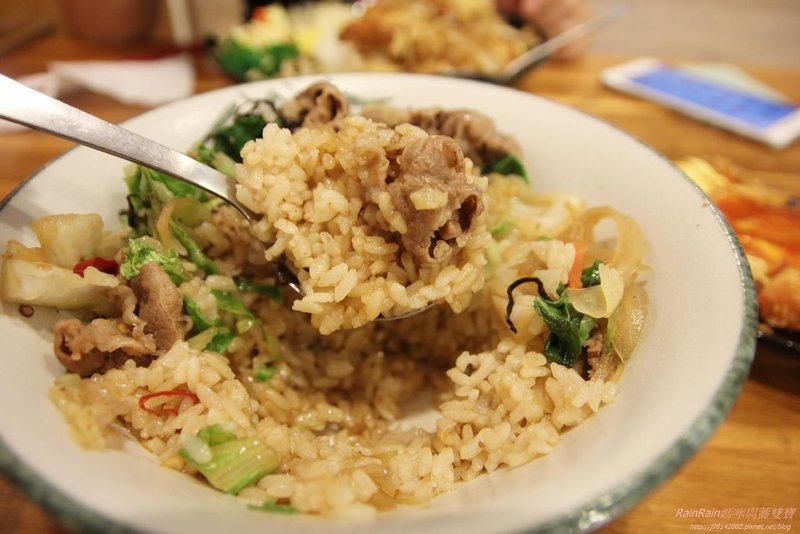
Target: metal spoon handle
[
  {"x": 23, "y": 105},
  {"x": 539, "y": 53}
]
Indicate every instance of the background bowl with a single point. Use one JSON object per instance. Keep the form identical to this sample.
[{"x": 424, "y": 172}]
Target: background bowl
[{"x": 696, "y": 350}]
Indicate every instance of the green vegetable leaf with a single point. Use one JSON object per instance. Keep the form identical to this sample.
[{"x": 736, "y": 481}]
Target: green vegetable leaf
[
  {"x": 235, "y": 463},
  {"x": 231, "y": 304},
  {"x": 133, "y": 179},
  {"x": 236, "y": 58},
  {"x": 142, "y": 183},
  {"x": 223, "y": 163},
  {"x": 590, "y": 276},
  {"x": 201, "y": 340},
  {"x": 190, "y": 212},
  {"x": 149, "y": 190},
  {"x": 508, "y": 165},
  {"x": 223, "y": 335},
  {"x": 569, "y": 329},
  {"x": 199, "y": 320},
  {"x": 274, "y": 56},
  {"x": 215, "y": 435},
  {"x": 228, "y": 302},
  {"x": 205, "y": 154},
  {"x": 244, "y": 61},
  {"x": 219, "y": 343},
  {"x": 270, "y": 291},
  {"x": 214, "y": 339},
  {"x": 229, "y": 140},
  {"x": 178, "y": 188},
  {"x": 193, "y": 250},
  {"x": 141, "y": 251}
]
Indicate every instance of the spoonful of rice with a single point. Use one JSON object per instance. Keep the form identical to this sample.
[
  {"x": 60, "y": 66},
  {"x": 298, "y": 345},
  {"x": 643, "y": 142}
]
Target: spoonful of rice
[{"x": 398, "y": 229}]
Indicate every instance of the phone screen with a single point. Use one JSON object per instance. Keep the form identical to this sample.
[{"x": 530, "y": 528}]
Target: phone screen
[{"x": 751, "y": 109}]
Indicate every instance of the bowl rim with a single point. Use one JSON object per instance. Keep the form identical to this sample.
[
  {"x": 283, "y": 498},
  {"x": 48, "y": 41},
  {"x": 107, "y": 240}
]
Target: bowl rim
[{"x": 598, "y": 511}]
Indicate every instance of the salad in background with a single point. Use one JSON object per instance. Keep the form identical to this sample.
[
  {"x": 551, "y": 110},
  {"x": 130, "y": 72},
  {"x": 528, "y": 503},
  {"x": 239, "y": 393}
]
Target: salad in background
[{"x": 280, "y": 41}]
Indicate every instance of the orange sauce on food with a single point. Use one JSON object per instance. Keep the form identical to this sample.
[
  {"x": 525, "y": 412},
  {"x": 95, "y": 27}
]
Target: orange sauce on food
[{"x": 758, "y": 222}]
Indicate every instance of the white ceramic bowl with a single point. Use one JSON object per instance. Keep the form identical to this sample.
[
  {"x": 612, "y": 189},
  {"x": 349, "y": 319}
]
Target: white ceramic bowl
[{"x": 697, "y": 347}]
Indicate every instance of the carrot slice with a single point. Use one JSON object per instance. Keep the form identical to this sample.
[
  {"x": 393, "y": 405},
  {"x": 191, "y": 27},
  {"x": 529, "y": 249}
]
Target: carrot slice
[{"x": 575, "y": 272}]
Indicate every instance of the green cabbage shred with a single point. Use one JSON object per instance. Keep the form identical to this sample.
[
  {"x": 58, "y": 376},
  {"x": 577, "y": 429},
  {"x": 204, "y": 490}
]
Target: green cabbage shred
[
  {"x": 141, "y": 252},
  {"x": 235, "y": 463}
]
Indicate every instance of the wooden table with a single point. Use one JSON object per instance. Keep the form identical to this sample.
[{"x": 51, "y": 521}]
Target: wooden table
[{"x": 751, "y": 462}]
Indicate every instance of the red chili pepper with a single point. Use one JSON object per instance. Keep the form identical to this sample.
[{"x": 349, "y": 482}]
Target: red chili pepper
[
  {"x": 166, "y": 408},
  {"x": 101, "y": 264}
]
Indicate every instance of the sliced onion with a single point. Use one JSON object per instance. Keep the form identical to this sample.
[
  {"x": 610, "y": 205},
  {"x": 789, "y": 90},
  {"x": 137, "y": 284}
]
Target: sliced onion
[
  {"x": 187, "y": 210},
  {"x": 627, "y": 322},
  {"x": 600, "y": 300},
  {"x": 550, "y": 279},
  {"x": 627, "y": 255},
  {"x": 162, "y": 223}
]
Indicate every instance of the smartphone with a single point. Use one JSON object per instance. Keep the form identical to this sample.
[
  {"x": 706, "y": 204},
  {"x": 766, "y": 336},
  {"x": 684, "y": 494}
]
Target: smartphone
[{"x": 771, "y": 121}]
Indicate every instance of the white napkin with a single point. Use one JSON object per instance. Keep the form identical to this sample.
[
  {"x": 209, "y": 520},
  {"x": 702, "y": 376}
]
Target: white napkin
[{"x": 145, "y": 83}]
